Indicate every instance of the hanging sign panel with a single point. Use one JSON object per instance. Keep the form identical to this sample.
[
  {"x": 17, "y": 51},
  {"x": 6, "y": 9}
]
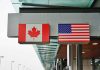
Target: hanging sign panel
[{"x": 14, "y": 19}]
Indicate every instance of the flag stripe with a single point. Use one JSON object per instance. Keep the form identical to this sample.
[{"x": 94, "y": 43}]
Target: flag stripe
[
  {"x": 80, "y": 29},
  {"x": 71, "y": 37},
  {"x": 22, "y": 33},
  {"x": 45, "y": 33},
  {"x": 79, "y": 26},
  {"x": 73, "y": 34},
  {"x": 83, "y": 31},
  {"x": 73, "y": 40}
]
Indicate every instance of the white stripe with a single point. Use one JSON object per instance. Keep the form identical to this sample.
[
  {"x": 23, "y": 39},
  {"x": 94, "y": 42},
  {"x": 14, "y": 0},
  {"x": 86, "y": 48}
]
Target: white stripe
[
  {"x": 79, "y": 28},
  {"x": 80, "y": 31},
  {"x": 73, "y": 37}
]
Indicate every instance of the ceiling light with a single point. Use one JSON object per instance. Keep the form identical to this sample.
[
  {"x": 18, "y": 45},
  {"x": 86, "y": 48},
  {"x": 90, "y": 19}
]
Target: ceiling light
[
  {"x": 83, "y": 52},
  {"x": 94, "y": 43}
]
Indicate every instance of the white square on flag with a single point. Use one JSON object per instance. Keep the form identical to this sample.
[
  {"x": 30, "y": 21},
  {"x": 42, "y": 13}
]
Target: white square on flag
[
  {"x": 73, "y": 33},
  {"x": 33, "y": 33}
]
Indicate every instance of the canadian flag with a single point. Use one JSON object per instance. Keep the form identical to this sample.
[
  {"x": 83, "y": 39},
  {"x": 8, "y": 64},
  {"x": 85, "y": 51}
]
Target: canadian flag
[{"x": 33, "y": 33}]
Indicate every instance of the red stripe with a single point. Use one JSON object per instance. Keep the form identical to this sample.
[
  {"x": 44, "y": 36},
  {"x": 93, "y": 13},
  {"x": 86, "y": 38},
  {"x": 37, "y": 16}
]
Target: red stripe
[
  {"x": 80, "y": 26},
  {"x": 75, "y": 41},
  {"x": 80, "y": 32},
  {"x": 45, "y": 33},
  {"x": 75, "y": 34},
  {"x": 73, "y": 37},
  {"x": 69, "y": 40},
  {"x": 22, "y": 33}
]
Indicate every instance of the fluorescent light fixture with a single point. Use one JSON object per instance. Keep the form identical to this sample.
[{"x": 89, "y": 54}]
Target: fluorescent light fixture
[
  {"x": 94, "y": 43},
  {"x": 83, "y": 52}
]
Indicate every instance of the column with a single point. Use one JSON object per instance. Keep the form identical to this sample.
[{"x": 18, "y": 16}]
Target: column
[
  {"x": 70, "y": 56},
  {"x": 93, "y": 64},
  {"x": 79, "y": 57}
]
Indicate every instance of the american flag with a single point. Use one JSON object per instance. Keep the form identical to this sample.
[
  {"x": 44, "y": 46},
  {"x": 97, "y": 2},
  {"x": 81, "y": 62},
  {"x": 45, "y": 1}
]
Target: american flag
[{"x": 73, "y": 33}]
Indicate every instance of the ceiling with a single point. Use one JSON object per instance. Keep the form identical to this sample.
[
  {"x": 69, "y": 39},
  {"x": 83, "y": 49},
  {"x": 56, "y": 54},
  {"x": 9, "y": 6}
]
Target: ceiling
[{"x": 89, "y": 50}]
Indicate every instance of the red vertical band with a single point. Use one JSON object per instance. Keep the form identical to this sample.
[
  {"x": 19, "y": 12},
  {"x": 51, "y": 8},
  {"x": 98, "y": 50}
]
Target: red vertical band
[
  {"x": 22, "y": 33},
  {"x": 45, "y": 33}
]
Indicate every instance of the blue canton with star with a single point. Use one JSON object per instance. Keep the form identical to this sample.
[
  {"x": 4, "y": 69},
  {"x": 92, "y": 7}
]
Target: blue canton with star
[{"x": 64, "y": 28}]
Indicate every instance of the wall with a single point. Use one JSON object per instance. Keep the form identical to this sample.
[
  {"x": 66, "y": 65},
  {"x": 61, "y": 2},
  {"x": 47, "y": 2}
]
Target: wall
[{"x": 86, "y": 65}]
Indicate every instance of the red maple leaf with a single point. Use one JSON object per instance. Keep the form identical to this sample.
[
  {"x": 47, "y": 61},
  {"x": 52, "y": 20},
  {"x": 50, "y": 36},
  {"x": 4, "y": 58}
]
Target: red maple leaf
[{"x": 34, "y": 32}]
